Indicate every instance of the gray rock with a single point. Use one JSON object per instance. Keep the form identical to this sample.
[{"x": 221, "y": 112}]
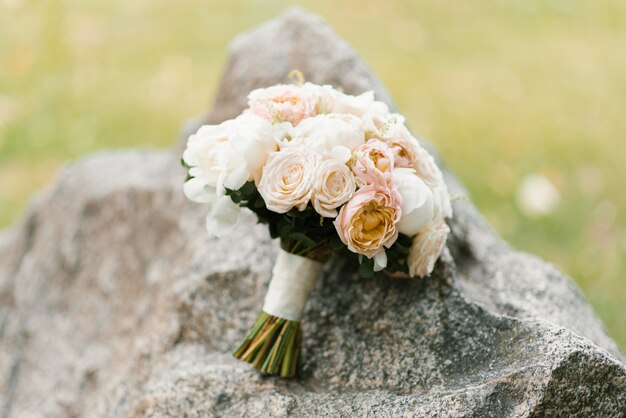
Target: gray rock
[{"x": 113, "y": 302}]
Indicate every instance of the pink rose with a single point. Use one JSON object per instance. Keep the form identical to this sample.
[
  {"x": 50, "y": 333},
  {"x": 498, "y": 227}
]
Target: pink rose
[
  {"x": 283, "y": 103},
  {"x": 367, "y": 223},
  {"x": 372, "y": 162}
]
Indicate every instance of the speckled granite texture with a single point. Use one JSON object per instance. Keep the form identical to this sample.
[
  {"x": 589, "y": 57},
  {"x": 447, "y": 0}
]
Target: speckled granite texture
[{"x": 113, "y": 302}]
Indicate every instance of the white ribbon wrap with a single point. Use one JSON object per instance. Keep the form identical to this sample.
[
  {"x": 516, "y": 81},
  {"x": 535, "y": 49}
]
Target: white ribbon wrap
[{"x": 293, "y": 278}]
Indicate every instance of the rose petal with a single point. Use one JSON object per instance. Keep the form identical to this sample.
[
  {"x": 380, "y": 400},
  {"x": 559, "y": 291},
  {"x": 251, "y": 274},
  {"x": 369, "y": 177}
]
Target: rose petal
[
  {"x": 380, "y": 261},
  {"x": 198, "y": 191},
  {"x": 341, "y": 154},
  {"x": 223, "y": 218},
  {"x": 236, "y": 179}
]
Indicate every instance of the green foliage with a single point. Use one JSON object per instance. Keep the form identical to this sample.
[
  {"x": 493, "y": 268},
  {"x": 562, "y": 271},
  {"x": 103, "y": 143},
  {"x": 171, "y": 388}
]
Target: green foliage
[{"x": 300, "y": 232}]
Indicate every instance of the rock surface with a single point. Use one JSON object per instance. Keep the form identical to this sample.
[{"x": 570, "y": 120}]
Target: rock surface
[{"x": 113, "y": 302}]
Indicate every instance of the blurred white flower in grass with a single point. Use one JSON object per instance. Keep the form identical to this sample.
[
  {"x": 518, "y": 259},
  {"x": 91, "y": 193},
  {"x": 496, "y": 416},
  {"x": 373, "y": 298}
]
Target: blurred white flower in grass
[{"x": 537, "y": 196}]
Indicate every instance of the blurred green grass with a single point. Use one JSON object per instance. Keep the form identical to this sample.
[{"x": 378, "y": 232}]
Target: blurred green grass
[{"x": 503, "y": 88}]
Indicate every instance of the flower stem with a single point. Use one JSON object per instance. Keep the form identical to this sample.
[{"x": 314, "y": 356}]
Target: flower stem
[{"x": 272, "y": 345}]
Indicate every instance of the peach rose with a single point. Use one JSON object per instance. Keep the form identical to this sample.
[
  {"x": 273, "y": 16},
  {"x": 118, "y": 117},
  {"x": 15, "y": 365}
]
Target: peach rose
[
  {"x": 288, "y": 179},
  {"x": 372, "y": 162},
  {"x": 426, "y": 248},
  {"x": 334, "y": 186},
  {"x": 367, "y": 223},
  {"x": 283, "y": 103}
]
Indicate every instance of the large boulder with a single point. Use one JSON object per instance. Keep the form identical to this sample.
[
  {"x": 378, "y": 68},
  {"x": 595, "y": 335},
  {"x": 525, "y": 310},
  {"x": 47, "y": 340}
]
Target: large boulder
[{"x": 114, "y": 302}]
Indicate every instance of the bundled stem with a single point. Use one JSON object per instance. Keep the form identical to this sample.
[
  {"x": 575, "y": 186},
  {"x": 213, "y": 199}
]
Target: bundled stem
[{"x": 272, "y": 345}]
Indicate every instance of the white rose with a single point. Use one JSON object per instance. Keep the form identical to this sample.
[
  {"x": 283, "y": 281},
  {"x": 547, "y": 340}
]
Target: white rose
[
  {"x": 426, "y": 248},
  {"x": 323, "y": 133},
  {"x": 334, "y": 186},
  {"x": 288, "y": 178},
  {"x": 417, "y": 201}
]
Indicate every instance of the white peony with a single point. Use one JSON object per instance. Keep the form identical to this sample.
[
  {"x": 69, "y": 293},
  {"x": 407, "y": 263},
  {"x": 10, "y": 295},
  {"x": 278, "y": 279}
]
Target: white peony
[
  {"x": 225, "y": 156},
  {"x": 417, "y": 201},
  {"x": 426, "y": 248},
  {"x": 323, "y": 133},
  {"x": 201, "y": 155},
  {"x": 288, "y": 179},
  {"x": 228, "y": 155},
  {"x": 334, "y": 185},
  {"x": 357, "y": 105}
]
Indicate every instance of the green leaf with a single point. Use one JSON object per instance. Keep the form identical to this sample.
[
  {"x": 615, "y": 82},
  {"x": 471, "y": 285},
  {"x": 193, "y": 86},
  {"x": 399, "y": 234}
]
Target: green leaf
[
  {"x": 366, "y": 271},
  {"x": 404, "y": 240},
  {"x": 273, "y": 231},
  {"x": 306, "y": 241},
  {"x": 247, "y": 190},
  {"x": 401, "y": 249},
  {"x": 236, "y": 197},
  {"x": 335, "y": 242},
  {"x": 285, "y": 229},
  {"x": 259, "y": 203},
  {"x": 294, "y": 213}
]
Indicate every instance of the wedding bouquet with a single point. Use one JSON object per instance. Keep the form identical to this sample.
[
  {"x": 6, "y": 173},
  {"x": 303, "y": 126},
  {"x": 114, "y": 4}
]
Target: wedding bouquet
[{"x": 329, "y": 173}]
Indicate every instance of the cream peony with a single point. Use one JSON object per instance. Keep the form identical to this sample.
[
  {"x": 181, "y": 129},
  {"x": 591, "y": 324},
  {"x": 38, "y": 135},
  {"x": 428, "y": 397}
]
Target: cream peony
[
  {"x": 228, "y": 155},
  {"x": 283, "y": 103},
  {"x": 201, "y": 155},
  {"x": 356, "y": 105},
  {"x": 322, "y": 133},
  {"x": 372, "y": 163},
  {"x": 425, "y": 167},
  {"x": 367, "y": 223},
  {"x": 426, "y": 248},
  {"x": 417, "y": 201},
  {"x": 334, "y": 186},
  {"x": 288, "y": 179}
]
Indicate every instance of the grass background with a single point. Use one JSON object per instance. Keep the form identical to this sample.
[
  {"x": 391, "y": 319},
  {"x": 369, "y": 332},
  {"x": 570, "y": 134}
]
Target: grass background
[{"x": 503, "y": 88}]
